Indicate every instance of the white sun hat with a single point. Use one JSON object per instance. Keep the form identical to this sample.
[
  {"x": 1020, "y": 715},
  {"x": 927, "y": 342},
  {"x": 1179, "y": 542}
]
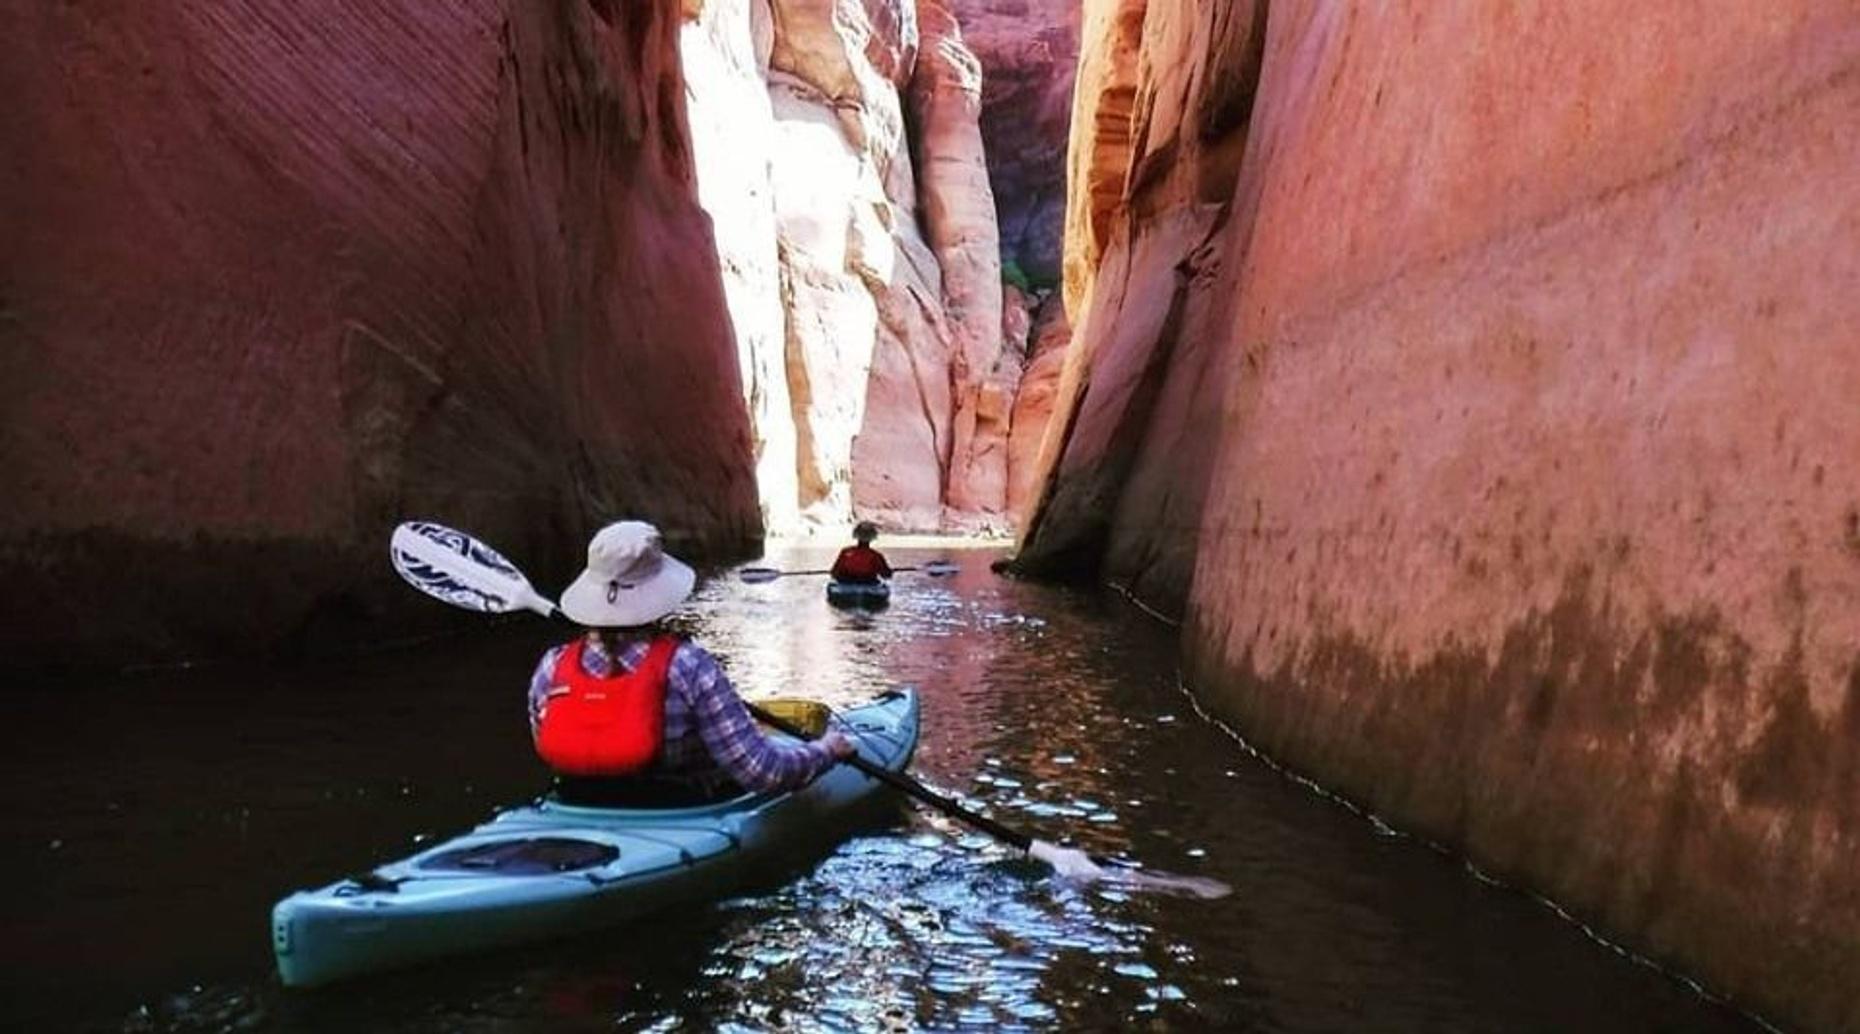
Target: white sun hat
[{"x": 629, "y": 581}]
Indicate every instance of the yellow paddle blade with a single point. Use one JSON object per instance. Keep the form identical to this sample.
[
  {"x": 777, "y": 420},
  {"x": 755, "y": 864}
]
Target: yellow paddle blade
[{"x": 810, "y": 715}]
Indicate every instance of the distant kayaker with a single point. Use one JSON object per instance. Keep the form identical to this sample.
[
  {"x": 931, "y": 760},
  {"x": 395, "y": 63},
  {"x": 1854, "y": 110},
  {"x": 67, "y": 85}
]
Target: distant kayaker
[
  {"x": 632, "y": 710},
  {"x": 859, "y": 563}
]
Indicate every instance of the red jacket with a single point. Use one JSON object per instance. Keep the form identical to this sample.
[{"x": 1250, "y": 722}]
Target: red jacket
[{"x": 860, "y": 564}]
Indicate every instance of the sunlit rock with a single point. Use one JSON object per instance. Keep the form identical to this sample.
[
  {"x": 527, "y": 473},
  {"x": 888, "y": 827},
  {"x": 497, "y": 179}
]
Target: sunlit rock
[
  {"x": 899, "y": 384},
  {"x": 726, "y": 54},
  {"x": 1098, "y": 161},
  {"x": 1160, "y": 120},
  {"x": 959, "y": 216}
]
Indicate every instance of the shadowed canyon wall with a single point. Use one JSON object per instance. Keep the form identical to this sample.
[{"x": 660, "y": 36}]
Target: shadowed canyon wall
[
  {"x": 278, "y": 276},
  {"x": 1029, "y": 52},
  {"x": 1479, "y": 382}
]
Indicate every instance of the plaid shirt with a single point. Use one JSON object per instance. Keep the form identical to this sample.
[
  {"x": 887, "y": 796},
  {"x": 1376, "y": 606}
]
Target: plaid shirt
[{"x": 710, "y": 738}]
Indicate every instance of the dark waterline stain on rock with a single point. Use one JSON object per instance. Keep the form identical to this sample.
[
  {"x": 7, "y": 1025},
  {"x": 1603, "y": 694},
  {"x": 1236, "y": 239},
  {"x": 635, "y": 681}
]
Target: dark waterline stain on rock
[{"x": 1548, "y": 765}]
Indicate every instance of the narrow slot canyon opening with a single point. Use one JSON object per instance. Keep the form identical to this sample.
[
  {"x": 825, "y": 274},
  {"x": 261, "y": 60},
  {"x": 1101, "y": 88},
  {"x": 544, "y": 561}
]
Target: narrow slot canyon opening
[{"x": 897, "y": 357}]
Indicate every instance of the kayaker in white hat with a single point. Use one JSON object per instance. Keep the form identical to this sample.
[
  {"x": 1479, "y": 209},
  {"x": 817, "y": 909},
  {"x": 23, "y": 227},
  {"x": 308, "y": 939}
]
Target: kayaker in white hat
[
  {"x": 859, "y": 563},
  {"x": 630, "y": 711}
]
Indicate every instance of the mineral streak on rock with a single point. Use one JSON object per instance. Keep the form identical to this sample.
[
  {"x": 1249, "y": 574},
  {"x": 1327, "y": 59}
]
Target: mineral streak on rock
[
  {"x": 280, "y": 275},
  {"x": 1504, "y": 386}
]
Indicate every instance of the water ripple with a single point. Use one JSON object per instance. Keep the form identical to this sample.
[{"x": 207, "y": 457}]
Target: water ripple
[{"x": 1052, "y": 709}]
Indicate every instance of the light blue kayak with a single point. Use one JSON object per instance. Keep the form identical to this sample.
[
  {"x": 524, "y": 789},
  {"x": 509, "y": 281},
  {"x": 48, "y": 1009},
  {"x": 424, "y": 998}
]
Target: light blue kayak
[
  {"x": 870, "y": 595},
  {"x": 550, "y": 869}
]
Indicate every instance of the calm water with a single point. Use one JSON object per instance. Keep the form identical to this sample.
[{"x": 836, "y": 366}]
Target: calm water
[{"x": 155, "y": 819}]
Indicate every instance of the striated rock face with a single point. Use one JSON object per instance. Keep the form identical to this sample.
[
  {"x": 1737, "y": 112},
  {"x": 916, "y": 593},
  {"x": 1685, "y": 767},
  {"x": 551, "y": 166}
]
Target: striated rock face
[
  {"x": 867, "y": 338},
  {"x": 1028, "y": 50},
  {"x": 1160, "y": 125},
  {"x": 959, "y": 215},
  {"x": 1529, "y": 515},
  {"x": 277, "y": 278},
  {"x": 897, "y": 382},
  {"x": 1098, "y": 160}
]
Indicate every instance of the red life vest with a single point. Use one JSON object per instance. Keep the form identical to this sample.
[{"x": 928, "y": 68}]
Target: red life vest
[
  {"x": 593, "y": 726},
  {"x": 860, "y": 564}
]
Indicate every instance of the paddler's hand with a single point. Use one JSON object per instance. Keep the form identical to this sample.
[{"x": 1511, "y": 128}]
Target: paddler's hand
[{"x": 837, "y": 744}]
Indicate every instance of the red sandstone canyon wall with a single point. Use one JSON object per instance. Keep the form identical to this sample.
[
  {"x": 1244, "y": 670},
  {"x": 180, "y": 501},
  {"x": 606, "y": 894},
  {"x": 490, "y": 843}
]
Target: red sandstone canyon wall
[
  {"x": 1028, "y": 50},
  {"x": 1159, "y": 127},
  {"x": 279, "y": 275},
  {"x": 1043, "y": 325},
  {"x": 1507, "y": 480},
  {"x": 842, "y": 160}
]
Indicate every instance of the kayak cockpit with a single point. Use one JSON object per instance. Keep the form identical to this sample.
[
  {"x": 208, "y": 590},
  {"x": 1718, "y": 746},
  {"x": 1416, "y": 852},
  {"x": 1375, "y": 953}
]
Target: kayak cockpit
[{"x": 522, "y": 856}]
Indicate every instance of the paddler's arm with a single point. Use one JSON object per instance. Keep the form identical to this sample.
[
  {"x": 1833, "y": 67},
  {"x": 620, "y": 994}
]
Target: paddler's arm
[
  {"x": 540, "y": 684},
  {"x": 731, "y": 736}
]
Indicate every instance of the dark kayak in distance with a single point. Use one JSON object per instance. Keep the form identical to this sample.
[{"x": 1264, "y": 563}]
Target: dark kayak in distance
[
  {"x": 859, "y": 595},
  {"x": 550, "y": 869}
]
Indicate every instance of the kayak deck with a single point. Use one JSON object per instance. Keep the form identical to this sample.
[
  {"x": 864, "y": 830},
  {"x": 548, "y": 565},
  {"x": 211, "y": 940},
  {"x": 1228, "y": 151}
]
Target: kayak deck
[
  {"x": 549, "y": 869},
  {"x": 858, "y": 594}
]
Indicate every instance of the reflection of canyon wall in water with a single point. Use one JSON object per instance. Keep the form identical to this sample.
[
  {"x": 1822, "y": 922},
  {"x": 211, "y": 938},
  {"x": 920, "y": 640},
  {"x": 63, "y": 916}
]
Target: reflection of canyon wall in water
[
  {"x": 277, "y": 278},
  {"x": 842, "y": 161},
  {"x": 1513, "y": 352}
]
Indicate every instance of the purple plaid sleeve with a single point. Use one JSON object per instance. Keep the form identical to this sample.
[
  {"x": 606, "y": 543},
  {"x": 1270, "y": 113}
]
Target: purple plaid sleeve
[
  {"x": 539, "y": 685},
  {"x": 730, "y": 734}
]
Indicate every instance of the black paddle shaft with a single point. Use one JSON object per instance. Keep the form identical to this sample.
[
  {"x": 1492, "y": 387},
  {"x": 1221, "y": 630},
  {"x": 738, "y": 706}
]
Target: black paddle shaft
[{"x": 1011, "y": 837}]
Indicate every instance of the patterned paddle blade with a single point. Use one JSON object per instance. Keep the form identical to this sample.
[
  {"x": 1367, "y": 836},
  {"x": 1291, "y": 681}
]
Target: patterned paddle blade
[{"x": 452, "y": 566}]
